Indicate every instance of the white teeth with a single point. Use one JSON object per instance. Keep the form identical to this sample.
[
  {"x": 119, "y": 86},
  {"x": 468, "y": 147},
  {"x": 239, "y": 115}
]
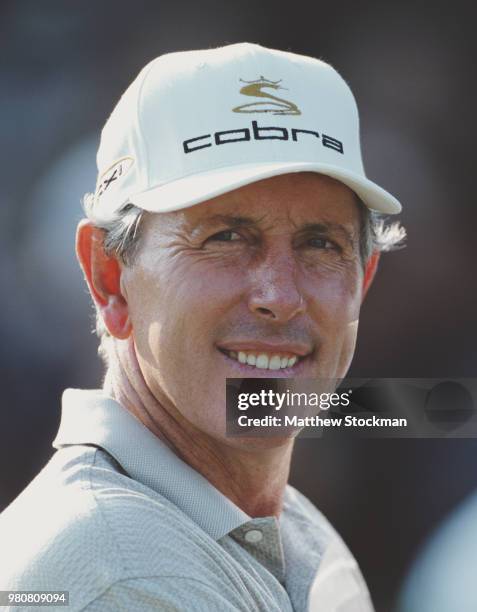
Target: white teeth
[{"x": 264, "y": 361}]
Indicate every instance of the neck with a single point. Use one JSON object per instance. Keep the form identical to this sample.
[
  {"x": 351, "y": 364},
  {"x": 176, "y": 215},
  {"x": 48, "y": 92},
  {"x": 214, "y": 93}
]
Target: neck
[{"x": 252, "y": 477}]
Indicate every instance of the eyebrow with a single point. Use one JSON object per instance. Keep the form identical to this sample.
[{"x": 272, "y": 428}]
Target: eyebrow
[
  {"x": 329, "y": 226},
  {"x": 232, "y": 220}
]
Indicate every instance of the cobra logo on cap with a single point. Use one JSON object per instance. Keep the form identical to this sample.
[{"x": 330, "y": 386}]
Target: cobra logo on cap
[{"x": 273, "y": 104}]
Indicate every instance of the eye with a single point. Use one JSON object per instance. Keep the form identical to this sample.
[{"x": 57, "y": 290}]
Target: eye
[
  {"x": 321, "y": 243},
  {"x": 226, "y": 236}
]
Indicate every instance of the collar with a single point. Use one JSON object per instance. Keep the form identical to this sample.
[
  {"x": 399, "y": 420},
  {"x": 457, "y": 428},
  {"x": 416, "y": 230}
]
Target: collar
[{"x": 90, "y": 417}]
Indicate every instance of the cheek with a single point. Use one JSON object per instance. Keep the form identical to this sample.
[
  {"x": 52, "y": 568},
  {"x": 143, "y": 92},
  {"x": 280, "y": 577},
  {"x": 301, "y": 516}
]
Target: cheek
[
  {"x": 175, "y": 321},
  {"x": 174, "y": 316},
  {"x": 337, "y": 299},
  {"x": 336, "y": 307}
]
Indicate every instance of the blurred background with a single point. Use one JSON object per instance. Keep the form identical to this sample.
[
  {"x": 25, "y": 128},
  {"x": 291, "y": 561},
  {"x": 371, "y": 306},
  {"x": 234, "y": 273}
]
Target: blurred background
[{"x": 411, "y": 66}]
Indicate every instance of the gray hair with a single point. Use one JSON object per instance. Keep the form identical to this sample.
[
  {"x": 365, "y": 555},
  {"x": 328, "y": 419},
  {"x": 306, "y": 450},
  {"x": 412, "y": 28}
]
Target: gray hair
[{"x": 122, "y": 236}]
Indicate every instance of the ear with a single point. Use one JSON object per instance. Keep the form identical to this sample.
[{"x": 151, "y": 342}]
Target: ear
[
  {"x": 370, "y": 272},
  {"x": 103, "y": 275}
]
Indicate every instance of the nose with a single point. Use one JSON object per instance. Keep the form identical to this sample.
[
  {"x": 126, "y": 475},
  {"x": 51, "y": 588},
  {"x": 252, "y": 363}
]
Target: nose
[{"x": 275, "y": 295}]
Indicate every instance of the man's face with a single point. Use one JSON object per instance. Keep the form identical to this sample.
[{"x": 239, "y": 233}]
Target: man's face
[{"x": 268, "y": 274}]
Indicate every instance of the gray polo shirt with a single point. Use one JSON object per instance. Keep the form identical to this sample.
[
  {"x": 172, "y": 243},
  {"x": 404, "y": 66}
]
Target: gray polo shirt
[{"x": 119, "y": 521}]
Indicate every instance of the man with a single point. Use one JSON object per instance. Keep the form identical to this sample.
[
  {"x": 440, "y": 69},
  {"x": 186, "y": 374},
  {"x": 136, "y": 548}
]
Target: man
[{"x": 230, "y": 235}]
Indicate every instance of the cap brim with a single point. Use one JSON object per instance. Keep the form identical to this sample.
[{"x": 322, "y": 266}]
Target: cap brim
[{"x": 197, "y": 188}]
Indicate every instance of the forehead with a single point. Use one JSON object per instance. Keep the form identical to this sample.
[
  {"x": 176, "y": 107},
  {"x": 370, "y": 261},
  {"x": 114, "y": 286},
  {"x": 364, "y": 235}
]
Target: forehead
[{"x": 293, "y": 199}]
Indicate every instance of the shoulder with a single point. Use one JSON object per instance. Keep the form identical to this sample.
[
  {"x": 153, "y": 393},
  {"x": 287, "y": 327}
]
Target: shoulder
[
  {"x": 82, "y": 525},
  {"x": 53, "y": 533}
]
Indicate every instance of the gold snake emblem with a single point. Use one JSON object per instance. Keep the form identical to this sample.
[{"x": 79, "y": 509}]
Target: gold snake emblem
[{"x": 274, "y": 104}]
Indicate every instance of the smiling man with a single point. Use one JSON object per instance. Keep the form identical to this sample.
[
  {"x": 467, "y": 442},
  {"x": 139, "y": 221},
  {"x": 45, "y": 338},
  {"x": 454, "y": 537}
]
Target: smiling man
[{"x": 232, "y": 234}]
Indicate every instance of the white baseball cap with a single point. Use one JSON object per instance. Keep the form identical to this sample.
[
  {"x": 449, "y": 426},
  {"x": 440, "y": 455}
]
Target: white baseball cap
[{"x": 196, "y": 124}]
